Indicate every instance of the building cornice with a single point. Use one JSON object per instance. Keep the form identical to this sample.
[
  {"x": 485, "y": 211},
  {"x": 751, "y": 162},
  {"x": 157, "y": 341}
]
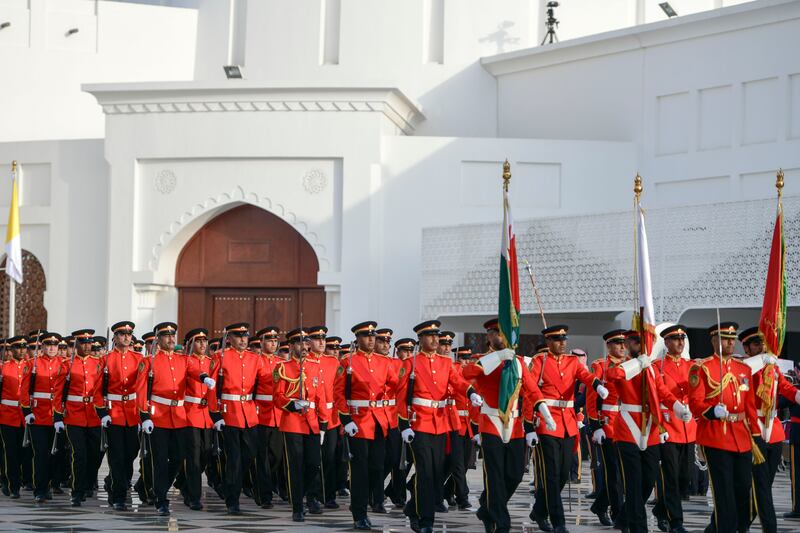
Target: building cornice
[
  {"x": 698, "y": 25},
  {"x": 248, "y": 96}
]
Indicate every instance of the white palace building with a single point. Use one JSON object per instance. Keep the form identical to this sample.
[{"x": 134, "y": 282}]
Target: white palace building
[{"x": 354, "y": 171}]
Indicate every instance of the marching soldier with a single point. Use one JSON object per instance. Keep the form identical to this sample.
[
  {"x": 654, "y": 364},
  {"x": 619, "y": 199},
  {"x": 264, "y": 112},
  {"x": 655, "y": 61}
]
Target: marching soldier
[
  {"x": 501, "y": 426},
  {"x": 41, "y": 392},
  {"x": 12, "y": 425},
  {"x": 677, "y": 452},
  {"x": 602, "y": 415},
  {"x": 333, "y": 349},
  {"x": 328, "y": 368},
  {"x": 454, "y": 422},
  {"x": 383, "y": 346},
  {"x": 82, "y": 397},
  {"x": 161, "y": 388},
  {"x": 360, "y": 391},
  {"x": 233, "y": 409},
  {"x": 200, "y": 445},
  {"x": 269, "y": 444},
  {"x": 423, "y": 421},
  {"x": 396, "y": 490},
  {"x": 556, "y": 374},
  {"x": 119, "y": 395},
  {"x": 298, "y": 394},
  {"x": 768, "y": 383},
  {"x": 722, "y": 398}
]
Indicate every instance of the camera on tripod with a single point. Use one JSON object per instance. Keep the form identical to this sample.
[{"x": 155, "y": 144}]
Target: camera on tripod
[{"x": 551, "y": 24}]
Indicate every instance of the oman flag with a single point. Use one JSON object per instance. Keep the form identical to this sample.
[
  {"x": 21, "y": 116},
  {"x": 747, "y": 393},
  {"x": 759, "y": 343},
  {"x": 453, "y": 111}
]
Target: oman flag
[{"x": 773, "y": 312}]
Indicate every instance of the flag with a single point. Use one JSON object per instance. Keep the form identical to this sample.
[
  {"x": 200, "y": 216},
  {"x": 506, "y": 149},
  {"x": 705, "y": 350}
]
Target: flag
[
  {"x": 645, "y": 319},
  {"x": 13, "y": 246},
  {"x": 773, "y": 312},
  {"x": 508, "y": 313}
]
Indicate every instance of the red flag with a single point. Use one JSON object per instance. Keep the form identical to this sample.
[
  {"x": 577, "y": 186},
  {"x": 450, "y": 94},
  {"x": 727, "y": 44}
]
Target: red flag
[{"x": 773, "y": 312}]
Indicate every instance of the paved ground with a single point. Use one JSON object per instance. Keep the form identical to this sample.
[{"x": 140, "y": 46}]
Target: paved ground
[{"x": 58, "y": 516}]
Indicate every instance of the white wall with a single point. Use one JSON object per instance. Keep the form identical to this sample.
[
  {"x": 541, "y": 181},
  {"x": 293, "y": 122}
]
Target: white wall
[{"x": 43, "y": 69}]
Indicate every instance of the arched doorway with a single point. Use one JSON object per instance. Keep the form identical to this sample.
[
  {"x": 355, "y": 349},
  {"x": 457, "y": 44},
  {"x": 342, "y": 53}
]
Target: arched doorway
[
  {"x": 29, "y": 310},
  {"x": 248, "y": 265}
]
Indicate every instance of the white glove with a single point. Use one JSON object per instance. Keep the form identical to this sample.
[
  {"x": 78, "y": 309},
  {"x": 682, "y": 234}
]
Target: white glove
[
  {"x": 506, "y": 355},
  {"x": 598, "y": 436},
  {"x": 301, "y": 404},
  {"x": 720, "y": 411},
  {"x": 664, "y": 437},
  {"x": 602, "y": 392},
  {"x": 351, "y": 429},
  {"x": 408, "y": 435},
  {"x": 321, "y": 436},
  {"x": 476, "y": 399},
  {"x": 30, "y": 418},
  {"x": 218, "y": 424},
  {"x": 105, "y": 421},
  {"x": 531, "y": 438},
  {"x": 147, "y": 426},
  {"x": 681, "y": 411},
  {"x": 769, "y": 359},
  {"x": 796, "y": 398},
  {"x": 644, "y": 361},
  {"x": 549, "y": 423},
  {"x": 59, "y": 426},
  {"x": 208, "y": 382},
  {"x": 581, "y": 424},
  {"x": 477, "y": 439}
]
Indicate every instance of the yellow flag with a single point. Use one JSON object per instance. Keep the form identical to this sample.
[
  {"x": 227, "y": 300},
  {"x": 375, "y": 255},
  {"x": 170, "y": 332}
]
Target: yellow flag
[{"x": 13, "y": 245}]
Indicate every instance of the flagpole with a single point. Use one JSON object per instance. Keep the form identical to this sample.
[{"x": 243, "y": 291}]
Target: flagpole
[{"x": 12, "y": 285}]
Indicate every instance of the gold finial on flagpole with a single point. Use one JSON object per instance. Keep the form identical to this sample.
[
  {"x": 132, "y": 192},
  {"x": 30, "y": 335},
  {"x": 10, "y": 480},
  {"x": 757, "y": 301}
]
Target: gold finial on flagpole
[
  {"x": 14, "y": 166},
  {"x": 506, "y": 174},
  {"x": 779, "y": 182},
  {"x": 637, "y": 186}
]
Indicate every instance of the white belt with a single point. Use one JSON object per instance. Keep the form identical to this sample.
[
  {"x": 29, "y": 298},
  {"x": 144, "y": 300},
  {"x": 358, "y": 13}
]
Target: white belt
[
  {"x": 611, "y": 408},
  {"x": 451, "y": 401},
  {"x": 329, "y": 405},
  {"x": 121, "y": 397},
  {"x": 463, "y": 413},
  {"x": 491, "y": 411},
  {"x": 424, "y": 402},
  {"x": 166, "y": 401},
  {"x": 81, "y": 399},
  {"x": 198, "y": 401},
  {"x": 237, "y": 397},
  {"x": 264, "y": 397},
  {"x": 564, "y": 404},
  {"x": 10, "y": 403},
  {"x": 42, "y": 395},
  {"x": 630, "y": 408},
  {"x": 370, "y": 403}
]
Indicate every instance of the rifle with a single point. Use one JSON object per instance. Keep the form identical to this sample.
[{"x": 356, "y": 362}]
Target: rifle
[
  {"x": 302, "y": 360},
  {"x": 150, "y": 378},
  {"x": 220, "y": 377},
  {"x": 409, "y": 399},
  {"x": 103, "y": 432},
  {"x": 541, "y": 313},
  {"x": 348, "y": 390},
  {"x": 26, "y": 439}
]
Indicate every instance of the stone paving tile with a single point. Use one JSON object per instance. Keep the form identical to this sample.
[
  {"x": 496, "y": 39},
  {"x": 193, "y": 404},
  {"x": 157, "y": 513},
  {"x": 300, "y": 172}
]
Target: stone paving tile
[{"x": 95, "y": 515}]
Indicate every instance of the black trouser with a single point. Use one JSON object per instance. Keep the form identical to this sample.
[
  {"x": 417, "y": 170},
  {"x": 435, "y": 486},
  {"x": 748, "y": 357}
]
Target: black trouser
[
  {"x": 763, "y": 476},
  {"x": 596, "y": 467},
  {"x": 145, "y": 481},
  {"x": 27, "y": 465},
  {"x": 730, "y": 475},
  {"x": 240, "y": 450},
  {"x": 668, "y": 484},
  {"x": 85, "y": 459},
  {"x": 639, "y": 472},
  {"x": 396, "y": 489},
  {"x": 366, "y": 472},
  {"x": 262, "y": 480},
  {"x": 456, "y": 469},
  {"x": 199, "y": 447},
  {"x": 555, "y": 461},
  {"x": 167, "y": 450},
  {"x": 503, "y": 469},
  {"x": 609, "y": 492},
  {"x": 794, "y": 474},
  {"x": 123, "y": 446},
  {"x": 343, "y": 471},
  {"x": 277, "y": 462},
  {"x": 427, "y": 453},
  {"x": 43, "y": 461},
  {"x": 12, "y": 455},
  {"x": 329, "y": 467},
  {"x": 302, "y": 465}
]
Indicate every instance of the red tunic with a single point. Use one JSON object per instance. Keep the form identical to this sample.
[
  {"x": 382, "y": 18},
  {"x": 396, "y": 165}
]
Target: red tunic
[
  {"x": 235, "y": 399},
  {"x": 286, "y": 376},
  {"x": 558, "y": 388},
  {"x": 675, "y": 375},
  {"x": 738, "y": 397},
  {"x": 329, "y": 366},
  {"x": 50, "y": 374},
  {"x": 372, "y": 375},
  {"x": 433, "y": 374},
  {"x": 779, "y": 385},
  {"x": 488, "y": 386},
  {"x": 121, "y": 401},
  {"x": 166, "y": 406},
  {"x": 268, "y": 414},
  {"x": 606, "y": 414},
  {"x": 13, "y": 375},
  {"x": 85, "y": 395},
  {"x": 197, "y": 393}
]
